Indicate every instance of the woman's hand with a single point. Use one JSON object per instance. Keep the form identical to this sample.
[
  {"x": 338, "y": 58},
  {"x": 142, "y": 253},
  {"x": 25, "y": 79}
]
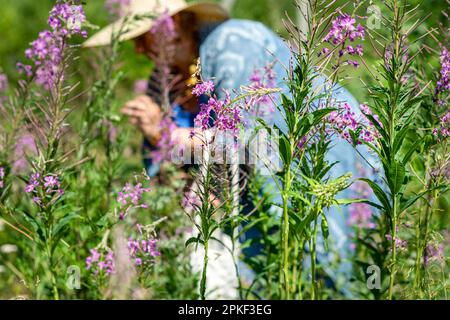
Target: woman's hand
[{"x": 145, "y": 114}]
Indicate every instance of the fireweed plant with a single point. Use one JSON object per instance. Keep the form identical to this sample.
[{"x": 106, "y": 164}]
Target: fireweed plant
[
  {"x": 211, "y": 205},
  {"x": 392, "y": 114},
  {"x": 429, "y": 241},
  {"x": 312, "y": 116},
  {"x": 77, "y": 222},
  {"x": 50, "y": 55}
]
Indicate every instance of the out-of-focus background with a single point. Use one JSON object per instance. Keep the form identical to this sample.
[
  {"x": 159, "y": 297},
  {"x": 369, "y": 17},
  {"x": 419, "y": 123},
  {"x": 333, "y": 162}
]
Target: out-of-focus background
[{"x": 21, "y": 20}]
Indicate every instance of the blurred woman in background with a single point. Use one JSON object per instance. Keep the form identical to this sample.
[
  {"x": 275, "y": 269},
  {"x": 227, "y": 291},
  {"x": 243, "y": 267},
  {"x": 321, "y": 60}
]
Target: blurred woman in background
[{"x": 230, "y": 51}]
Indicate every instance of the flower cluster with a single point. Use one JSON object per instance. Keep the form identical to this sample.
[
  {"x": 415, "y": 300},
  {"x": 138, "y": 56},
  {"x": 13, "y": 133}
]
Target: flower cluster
[
  {"x": 443, "y": 84},
  {"x": 100, "y": 262},
  {"x": 2, "y": 176},
  {"x": 3, "y": 82},
  {"x": 226, "y": 116},
  {"x": 47, "y": 50},
  {"x": 140, "y": 86},
  {"x": 164, "y": 25},
  {"x": 143, "y": 250},
  {"x": 49, "y": 186},
  {"x": 130, "y": 197},
  {"x": 117, "y": 8},
  {"x": 202, "y": 88},
  {"x": 166, "y": 143},
  {"x": 190, "y": 201},
  {"x": 399, "y": 243},
  {"x": 67, "y": 19},
  {"x": 444, "y": 127},
  {"x": 343, "y": 28},
  {"x": 434, "y": 252},
  {"x": 344, "y": 121},
  {"x": 261, "y": 105}
]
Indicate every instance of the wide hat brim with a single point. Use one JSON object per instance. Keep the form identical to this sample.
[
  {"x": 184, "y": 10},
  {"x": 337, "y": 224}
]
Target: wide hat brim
[{"x": 130, "y": 27}]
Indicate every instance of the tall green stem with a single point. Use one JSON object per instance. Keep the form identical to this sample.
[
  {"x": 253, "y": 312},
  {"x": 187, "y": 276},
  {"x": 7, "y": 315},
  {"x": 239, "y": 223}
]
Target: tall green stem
[
  {"x": 313, "y": 243},
  {"x": 205, "y": 266},
  {"x": 394, "y": 254},
  {"x": 285, "y": 234}
]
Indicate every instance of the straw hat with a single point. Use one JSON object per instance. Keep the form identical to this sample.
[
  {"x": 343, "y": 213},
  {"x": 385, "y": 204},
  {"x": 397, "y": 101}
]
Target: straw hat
[{"x": 205, "y": 11}]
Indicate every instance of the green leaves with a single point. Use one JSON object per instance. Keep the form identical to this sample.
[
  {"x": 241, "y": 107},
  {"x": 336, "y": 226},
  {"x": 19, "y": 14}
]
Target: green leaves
[
  {"x": 396, "y": 176},
  {"x": 285, "y": 150},
  {"x": 192, "y": 240},
  {"x": 325, "y": 231},
  {"x": 380, "y": 194}
]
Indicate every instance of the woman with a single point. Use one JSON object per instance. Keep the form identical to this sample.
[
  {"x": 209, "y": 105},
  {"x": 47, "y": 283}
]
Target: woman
[{"x": 229, "y": 51}]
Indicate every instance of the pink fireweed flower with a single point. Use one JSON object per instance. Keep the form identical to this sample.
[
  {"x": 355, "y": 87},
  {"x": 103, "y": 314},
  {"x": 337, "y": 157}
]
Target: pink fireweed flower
[
  {"x": 3, "y": 82},
  {"x": 32, "y": 183},
  {"x": 130, "y": 198},
  {"x": 399, "y": 243},
  {"x": 443, "y": 84},
  {"x": 261, "y": 104},
  {"x": 344, "y": 119},
  {"x": 47, "y": 51},
  {"x": 190, "y": 201},
  {"x": 50, "y": 185},
  {"x": 101, "y": 262},
  {"x": 343, "y": 29},
  {"x": 140, "y": 86},
  {"x": 443, "y": 131},
  {"x": 206, "y": 87},
  {"x": 164, "y": 25},
  {"x": 2, "y": 176},
  {"x": 117, "y": 8},
  {"x": 143, "y": 248},
  {"x": 166, "y": 142},
  {"x": 226, "y": 117},
  {"x": 434, "y": 252}
]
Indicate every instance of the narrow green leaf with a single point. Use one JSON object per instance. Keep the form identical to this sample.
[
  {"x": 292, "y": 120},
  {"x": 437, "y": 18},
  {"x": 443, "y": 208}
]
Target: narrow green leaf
[{"x": 380, "y": 194}]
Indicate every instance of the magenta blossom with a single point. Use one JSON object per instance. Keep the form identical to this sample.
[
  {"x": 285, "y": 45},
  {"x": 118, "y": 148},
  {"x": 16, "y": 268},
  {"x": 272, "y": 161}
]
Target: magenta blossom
[
  {"x": 143, "y": 249},
  {"x": 166, "y": 143},
  {"x": 117, "y": 8},
  {"x": 101, "y": 262},
  {"x": 50, "y": 185},
  {"x": 343, "y": 29},
  {"x": 3, "y": 82},
  {"x": 443, "y": 84},
  {"x": 206, "y": 87},
  {"x": 130, "y": 198},
  {"x": 261, "y": 105},
  {"x": 164, "y": 25},
  {"x": 434, "y": 252},
  {"x": 2, "y": 176},
  {"x": 140, "y": 86},
  {"x": 47, "y": 51},
  {"x": 443, "y": 131}
]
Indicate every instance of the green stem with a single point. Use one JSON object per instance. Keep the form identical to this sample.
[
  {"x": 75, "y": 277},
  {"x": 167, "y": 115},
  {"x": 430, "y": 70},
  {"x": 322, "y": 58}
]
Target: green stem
[
  {"x": 394, "y": 251},
  {"x": 203, "y": 280},
  {"x": 313, "y": 242},
  {"x": 299, "y": 284},
  {"x": 52, "y": 272},
  {"x": 285, "y": 234}
]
